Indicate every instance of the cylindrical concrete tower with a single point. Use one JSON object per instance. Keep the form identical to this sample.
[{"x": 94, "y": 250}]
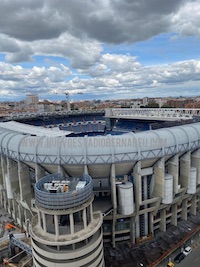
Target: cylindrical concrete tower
[
  {"x": 126, "y": 204},
  {"x": 168, "y": 189},
  {"x": 193, "y": 181},
  {"x": 65, "y": 232}
]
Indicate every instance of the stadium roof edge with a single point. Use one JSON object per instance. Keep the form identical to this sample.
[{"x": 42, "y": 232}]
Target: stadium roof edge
[{"x": 32, "y": 130}]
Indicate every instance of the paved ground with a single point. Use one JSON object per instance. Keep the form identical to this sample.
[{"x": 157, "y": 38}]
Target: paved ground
[{"x": 146, "y": 254}]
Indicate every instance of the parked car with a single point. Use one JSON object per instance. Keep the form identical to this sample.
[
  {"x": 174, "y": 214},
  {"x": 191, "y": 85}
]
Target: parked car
[
  {"x": 179, "y": 257},
  {"x": 187, "y": 251},
  {"x": 170, "y": 264}
]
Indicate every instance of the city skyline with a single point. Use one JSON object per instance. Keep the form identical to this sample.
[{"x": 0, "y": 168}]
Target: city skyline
[{"x": 103, "y": 50}]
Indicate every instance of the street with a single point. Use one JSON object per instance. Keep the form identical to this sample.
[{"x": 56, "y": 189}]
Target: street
[{"x": 193, "y": 259}]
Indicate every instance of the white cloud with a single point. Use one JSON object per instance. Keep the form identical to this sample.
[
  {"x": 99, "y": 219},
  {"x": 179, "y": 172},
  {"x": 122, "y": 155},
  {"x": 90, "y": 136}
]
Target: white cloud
[
  {"x": 187, "y": 20},
  {"x": 18, "y": 79},
  {"x": 75, "y": 29},
  {"x": 78, "y": 32}
]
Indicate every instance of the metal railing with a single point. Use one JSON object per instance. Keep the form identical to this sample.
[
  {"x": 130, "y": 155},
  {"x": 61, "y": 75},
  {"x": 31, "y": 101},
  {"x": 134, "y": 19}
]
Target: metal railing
[
  {"x": 24, "y": 115},
  {"x": 160, "y": 112},
  {"x": 24, "y": 246},
  {"x": 66, "y": 200}
]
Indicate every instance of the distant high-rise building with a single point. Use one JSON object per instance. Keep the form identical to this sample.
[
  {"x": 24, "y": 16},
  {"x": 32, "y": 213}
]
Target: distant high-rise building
[
  {"x": 145, "y": 101},
  {"x": 32, "y": 99}
]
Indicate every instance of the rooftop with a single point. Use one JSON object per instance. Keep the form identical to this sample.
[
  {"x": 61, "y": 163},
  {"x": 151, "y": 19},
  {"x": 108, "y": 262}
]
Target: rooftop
[
  {"x": 55, "y": 193},
  {"x": 32, "y": 130}
]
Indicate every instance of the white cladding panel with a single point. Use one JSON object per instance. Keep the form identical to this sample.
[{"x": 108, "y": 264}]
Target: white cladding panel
[
  {"x": 193, "y": 180},
  {"x": 168, "y": 189},
  {"x": 125, "y": 197},
  {"x": 98, "y": 149},
  {"x": 8, "y": 187}
]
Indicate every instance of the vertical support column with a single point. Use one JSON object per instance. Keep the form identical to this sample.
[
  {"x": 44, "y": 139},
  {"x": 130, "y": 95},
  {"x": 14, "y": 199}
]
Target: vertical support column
[
  {"x": 114, "y": 202},
  {"x": 146, "y": 226},
  {"x": 9, "y": 206},
  {"x": 12, "y": 182},
  {"x": 144, "y": 180},
  {"x": 1, "y": 175},
  {"x": 85, "y": 155},
  {"x": 62, "y": 171},
  {"x": 1, "y": 199},
  {"x": 24, "y": 182},
  {"x": 138, "y": 196},
  {"x": 184, "y": 210},
  {"x": 20, "y": 217},
  {"x": 71, "y": 219},
  {"x": 137, "y": 185},
  {"x": 195, "y": 162},
  {"x": 193, "y": 208},
  {"x": 198, "y": 204},
  {"x": 4, "y": 171},
  {"x": 185, "y": 163},
  {"x": 85, "y": 169},
  {"x": 132, "y": 228},
  {"x": 137, "y": 227},
  {"x": 173, "y": 169},
  {"x": 84, "y": 218},
  {"x": 159, "y": 174},
  {"x": 91, "y": 212},
  {"x": 5, "y": 200},
  {"x": 174, "y": 215},
  {"x": 151, "y": 225},
  {"x": 12, "y": 176},
  {"x": 26, "y": 216},
  {"x": 39, "y": 219},
  {"x": 44, "y": 222},
  {"x": 27, "y": 227},
  {"x": 39, "y": 172},
  {"x": 163, "y": 220},
  {"x": 14, "y": 211},
  {"x": 56, "y": 225},
  {"x": 1, "y": 183}
]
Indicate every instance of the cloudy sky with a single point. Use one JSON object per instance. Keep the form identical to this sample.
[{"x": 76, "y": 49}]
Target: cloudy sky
[{"x": 104, "y": 49}]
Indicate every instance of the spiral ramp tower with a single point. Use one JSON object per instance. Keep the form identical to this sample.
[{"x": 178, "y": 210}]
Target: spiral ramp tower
[{"x": 66, "y": 232}]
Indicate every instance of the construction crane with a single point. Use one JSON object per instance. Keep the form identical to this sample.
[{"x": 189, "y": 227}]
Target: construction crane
[{"x": 67, "y": 94}]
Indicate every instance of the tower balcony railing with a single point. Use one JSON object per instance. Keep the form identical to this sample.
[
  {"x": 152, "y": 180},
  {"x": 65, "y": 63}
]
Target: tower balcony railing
[{"x": 62, "y": 200}]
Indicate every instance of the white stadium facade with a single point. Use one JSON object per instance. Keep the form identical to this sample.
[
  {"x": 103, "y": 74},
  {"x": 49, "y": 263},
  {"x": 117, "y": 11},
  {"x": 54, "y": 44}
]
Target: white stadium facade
[{"x": 135, "y": 183}]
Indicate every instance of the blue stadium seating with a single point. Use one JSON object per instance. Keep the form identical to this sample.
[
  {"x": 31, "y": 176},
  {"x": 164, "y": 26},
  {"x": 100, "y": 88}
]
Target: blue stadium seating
[{"x": 131, "y": 125}]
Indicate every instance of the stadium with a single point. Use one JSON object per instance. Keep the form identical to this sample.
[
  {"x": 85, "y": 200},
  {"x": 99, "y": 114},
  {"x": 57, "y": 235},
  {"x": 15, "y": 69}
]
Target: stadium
[{"x": 140, "y": 173}]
